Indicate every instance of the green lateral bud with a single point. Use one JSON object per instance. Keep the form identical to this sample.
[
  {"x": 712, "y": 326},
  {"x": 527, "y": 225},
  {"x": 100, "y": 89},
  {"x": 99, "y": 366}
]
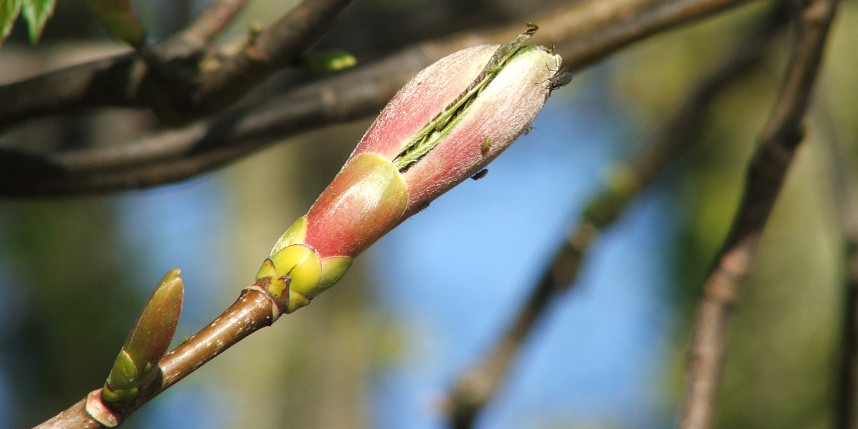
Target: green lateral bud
[
  {"x": 148, "y": 340},
  {"x": 296, "y": 301},
  {"x": 266, "y": 270},
  {"x": 122, "y": 382},
  {"x": 277, "y": 285},
  {"x": 333, "y": 269},
  {"x": 302, "y": 265},
  {"x": 298, "y": 270},
  {"x": 294, "y": 235},
  {"x": 151, "y": 335}
]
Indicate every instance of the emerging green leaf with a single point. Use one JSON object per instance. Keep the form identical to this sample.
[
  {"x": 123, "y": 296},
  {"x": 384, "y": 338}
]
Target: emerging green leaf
[
  {"x": 147, "y": 342},
  {"x": 9, "y": 10},
  {"x": 119, "y": 17},
  {"x": 37, "y": 12}
]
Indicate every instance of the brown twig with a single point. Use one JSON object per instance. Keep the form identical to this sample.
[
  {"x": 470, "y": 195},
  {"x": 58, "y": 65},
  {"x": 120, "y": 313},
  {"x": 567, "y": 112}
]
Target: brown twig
[
  {"x": 477, "y": 386},
  {"x": 254, "y": 310},
  {"x": 181, "y": 153},
  {"x": 777, "y": 143}
]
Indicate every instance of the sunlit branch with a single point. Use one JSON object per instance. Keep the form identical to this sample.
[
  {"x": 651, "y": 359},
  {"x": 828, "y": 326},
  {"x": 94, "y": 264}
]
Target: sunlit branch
[{"x": 584, "y": 33}]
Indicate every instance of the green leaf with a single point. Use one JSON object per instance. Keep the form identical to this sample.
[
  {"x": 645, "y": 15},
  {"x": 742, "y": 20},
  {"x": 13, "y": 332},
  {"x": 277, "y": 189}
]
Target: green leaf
[
  {"x": 119, "y": 17},
  {"x": 9, "y": 10},
  {"x": 37, "y": 12}
]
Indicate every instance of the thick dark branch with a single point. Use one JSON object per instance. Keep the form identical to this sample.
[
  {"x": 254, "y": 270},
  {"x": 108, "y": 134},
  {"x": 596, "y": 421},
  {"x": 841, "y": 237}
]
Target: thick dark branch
[
  {"x": 181, "y": 88},
  {"x": 477, "y": 386},
  {"x": 102, "y": 82},
  {"x": 275, "y": 47},
  {"x": 777, "y": 144},
  {"x": 177, "y": 154}
]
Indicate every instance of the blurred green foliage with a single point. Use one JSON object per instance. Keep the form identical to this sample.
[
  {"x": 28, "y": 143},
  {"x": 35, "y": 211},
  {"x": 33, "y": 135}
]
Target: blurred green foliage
[{"x": 77, "y": 299}]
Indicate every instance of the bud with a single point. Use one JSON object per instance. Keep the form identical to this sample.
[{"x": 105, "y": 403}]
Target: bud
[
  {"x": 476, "y": 133},
  {"x": 442, "y": 127},
  {"x": 150, "y": 336}
]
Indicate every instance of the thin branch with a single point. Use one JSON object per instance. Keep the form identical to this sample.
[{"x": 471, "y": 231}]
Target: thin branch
[
  {"x": 848, "y": 218},
  {"x": 184, "y": 152},
  {"x": 180, "y": 89},
  {"x": 254, "y": 310},
  {"x": 777, "y": 143},
  {"x": 845, "y": 184},
  {"x": 211, "y": 23},
  {"x": 848, "y": 365},
  {"x": 477, "y": 386}
]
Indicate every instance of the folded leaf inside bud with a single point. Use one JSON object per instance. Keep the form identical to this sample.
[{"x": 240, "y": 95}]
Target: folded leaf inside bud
[{"x": 431, "y": 134}]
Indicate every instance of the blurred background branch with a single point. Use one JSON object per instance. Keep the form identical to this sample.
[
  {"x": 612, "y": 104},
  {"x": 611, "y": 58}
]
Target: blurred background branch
[
  {"x": 583, "y": 33},
  {"x": 477, "y": 386},
  {"x": 845, "y": 186},
  {"x": 176, "y": 85},
  {"x": 777, "y": 144}
]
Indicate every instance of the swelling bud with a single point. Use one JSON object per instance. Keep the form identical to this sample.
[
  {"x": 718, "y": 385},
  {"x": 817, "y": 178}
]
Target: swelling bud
[{"x": 442, "y": 127}]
